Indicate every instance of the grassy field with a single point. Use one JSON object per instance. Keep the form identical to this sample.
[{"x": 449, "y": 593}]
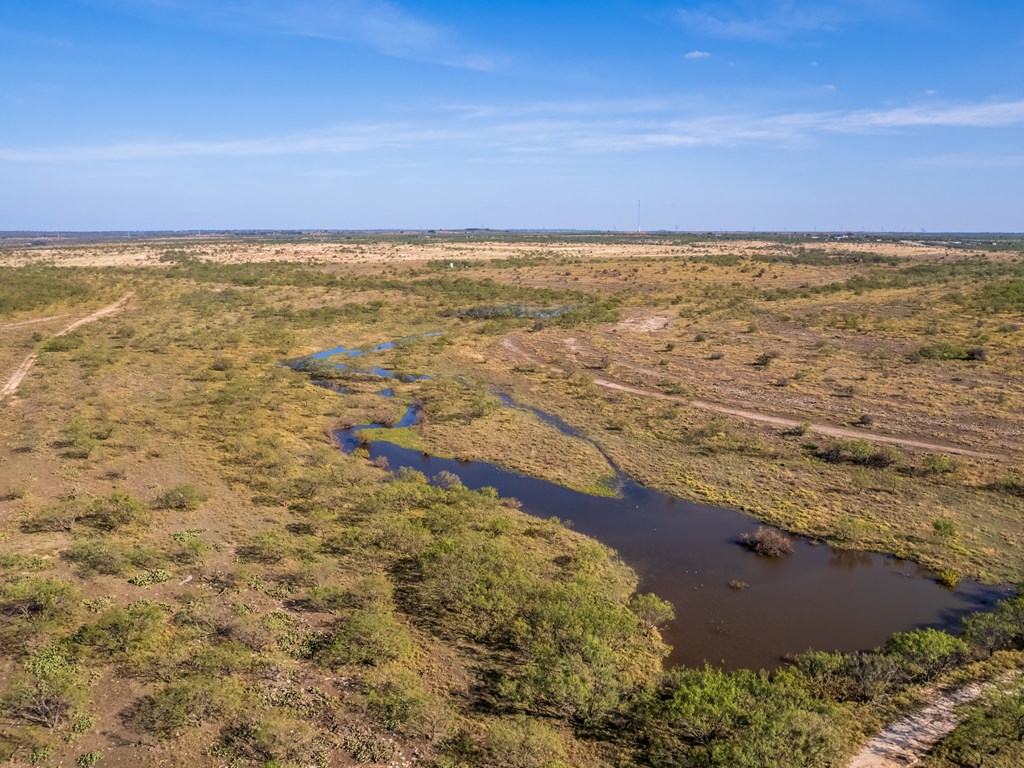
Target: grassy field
[{"x": 192, "y": 574}]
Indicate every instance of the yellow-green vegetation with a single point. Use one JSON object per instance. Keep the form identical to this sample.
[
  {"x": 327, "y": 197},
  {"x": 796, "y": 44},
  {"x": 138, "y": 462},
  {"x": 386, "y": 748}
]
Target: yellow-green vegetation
[
  {"x": 990, "y": 734},
  {"x": 189, "y": 565},
  {"x": 471, "y": 423},
  {"x": 919, "y": 346},
  {"x": 188, "y": 558}
]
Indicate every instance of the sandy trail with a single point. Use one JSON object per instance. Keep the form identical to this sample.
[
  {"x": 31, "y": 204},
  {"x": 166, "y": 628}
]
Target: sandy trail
[
  {"x": 33, "y": 321},
  {"x": 511, "y": 346},
  {"x": 908, "y": 740},
  {"x": 26, "y": 365}
]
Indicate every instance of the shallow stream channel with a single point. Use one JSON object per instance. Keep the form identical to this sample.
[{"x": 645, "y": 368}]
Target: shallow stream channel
[{"x": 815, "y": 598}]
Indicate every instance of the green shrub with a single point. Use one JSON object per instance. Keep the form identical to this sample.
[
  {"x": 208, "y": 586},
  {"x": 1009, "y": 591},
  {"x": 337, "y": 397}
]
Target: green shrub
[
  {"x": 943, "y": 351},
  {"x": 65, "y": 343},
  {"x": 148, "y": 578},
  {"x": 522, "y": 742},
  {"x": 266, "y": 547},
  {"x": 328, "y": 599},
  {"x": 184, "y": 496},
  {"x": 34, "y": 604},
  {"x": 991, "y": 733},
  {"x": 94, "y": 557},
  {"x": 945, "y": 528},
  {"x": 48, "y": 690},
  {"x": 372, "y": 591},
  {"x": 367, "y": 747},
  {"x": 825, "y": 674},
  {"x": 862, "y": 452},
  {"x": 18, "y": 562},
  {"x": 31, "y": 287},
  {"x": 1002, "y": 628},
  {"x": 77, "y": 440},
  {"x": 937, "y": 464},
  {"x": 123, "y": 630},
  {"x": 270, "y": 741},
  {"x": 710, "y": 718},
  {"x": 395, "y": 697},
  {"x": 926, "y": 653},
  {"x": 179, "y": 705},
  {"x": 652, "y": 610},
  {"x": 115, "y": 511},
  {"x": 367, "y": 636},
  {"x": 1012, "y": 483},
  {"x": 191, "y": 552},
  {"x": 1001, "y": 296},
  {"x": 40, "y": 754},
  {"x": 59, "y": 517}
]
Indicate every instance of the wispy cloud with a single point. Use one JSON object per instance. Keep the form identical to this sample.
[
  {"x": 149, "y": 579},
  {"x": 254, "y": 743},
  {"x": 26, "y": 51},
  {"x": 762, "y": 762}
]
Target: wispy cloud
[
  {"x": 978, "y": 115},
  {"x": 381, "y": 25},
  {"x": 616, "y": 107},
  {"x": 781, "y": 19},
  {"x": 346, "y": 139},
  {"x": 697, "y": 55},
  {"x": 969, "y": 161},
  {"x": 590, "y": 127},
  {"x": 779, "y": 24}
]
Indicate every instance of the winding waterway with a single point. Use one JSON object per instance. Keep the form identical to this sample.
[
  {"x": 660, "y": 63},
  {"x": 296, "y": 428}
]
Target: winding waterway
[{"x": 688, "y": 553}]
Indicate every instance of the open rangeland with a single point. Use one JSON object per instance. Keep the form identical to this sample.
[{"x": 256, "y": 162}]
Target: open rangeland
[{"x": 192, "y": 574}]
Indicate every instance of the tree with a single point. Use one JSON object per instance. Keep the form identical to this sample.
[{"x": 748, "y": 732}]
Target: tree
[{"x": 652, "y": 610}]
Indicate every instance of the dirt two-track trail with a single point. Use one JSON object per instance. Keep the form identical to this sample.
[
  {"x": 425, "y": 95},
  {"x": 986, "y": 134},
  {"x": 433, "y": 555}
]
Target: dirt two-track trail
[
  {"x": 12, "y": 384},
  {"x": 517, "y": 350},
  {"x": 908, "y": 740}
]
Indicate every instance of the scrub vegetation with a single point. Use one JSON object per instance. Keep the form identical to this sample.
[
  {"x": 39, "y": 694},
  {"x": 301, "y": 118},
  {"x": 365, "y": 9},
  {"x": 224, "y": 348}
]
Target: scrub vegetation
[{"x": 192, "y": 574}]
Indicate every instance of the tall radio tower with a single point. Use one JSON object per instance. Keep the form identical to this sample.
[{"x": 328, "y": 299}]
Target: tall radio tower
[{"x": 638, "y": 217}]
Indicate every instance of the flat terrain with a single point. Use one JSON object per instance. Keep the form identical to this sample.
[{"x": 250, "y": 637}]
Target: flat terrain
[{"x": 192, "y": 574}]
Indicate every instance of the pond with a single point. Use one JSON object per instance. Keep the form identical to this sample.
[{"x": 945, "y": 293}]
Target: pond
[{"x": 816, "y": 598}]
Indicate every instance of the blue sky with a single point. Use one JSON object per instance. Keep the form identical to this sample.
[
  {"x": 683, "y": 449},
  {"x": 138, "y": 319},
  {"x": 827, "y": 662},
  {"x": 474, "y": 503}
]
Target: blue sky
[{"x": 179, "y": 114}]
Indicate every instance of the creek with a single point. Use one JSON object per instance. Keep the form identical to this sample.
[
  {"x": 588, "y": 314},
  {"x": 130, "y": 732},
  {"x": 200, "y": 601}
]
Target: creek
[{"x": 733, "y": 608}]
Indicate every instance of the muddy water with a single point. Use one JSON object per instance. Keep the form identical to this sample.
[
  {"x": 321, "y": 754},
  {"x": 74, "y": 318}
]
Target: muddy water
[{"x": 688, "y": 553}]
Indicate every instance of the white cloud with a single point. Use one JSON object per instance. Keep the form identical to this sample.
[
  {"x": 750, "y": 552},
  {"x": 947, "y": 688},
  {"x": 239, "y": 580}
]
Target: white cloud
[
  {"x": 984, "y": 115},
  {"x": 381, "y": 25},
  {"x": 541, "y": 128},
  {"x": 969, "y": 161},
  {"x": 776, "y": 20},
  {"x": 780, "y": 20},
  {"x": 697, "y": 55},
  {"x": 595, "y": 107},
  {"x": 828, "y": 87}
]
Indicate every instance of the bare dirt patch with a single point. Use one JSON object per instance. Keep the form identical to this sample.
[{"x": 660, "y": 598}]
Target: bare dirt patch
[{"x": 643, "y": 323}]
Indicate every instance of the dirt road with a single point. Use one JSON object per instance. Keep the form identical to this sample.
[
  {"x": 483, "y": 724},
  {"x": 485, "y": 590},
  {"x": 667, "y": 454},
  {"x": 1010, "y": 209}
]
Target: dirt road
[
  {"x": 26, "y": 365},
  {"x": 33, "y": 321},
  {"x": 518, "y": 351},
  {"x": 908, "y": 740}
]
